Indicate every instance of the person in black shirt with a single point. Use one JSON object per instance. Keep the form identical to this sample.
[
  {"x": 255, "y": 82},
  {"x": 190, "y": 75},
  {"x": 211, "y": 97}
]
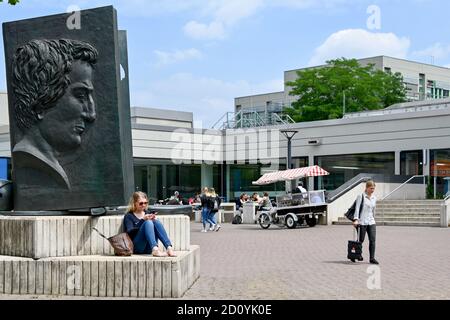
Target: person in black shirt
[{"x": 145, "y": 229}]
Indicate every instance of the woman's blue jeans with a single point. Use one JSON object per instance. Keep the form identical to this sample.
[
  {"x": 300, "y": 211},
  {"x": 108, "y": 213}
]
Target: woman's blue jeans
[
  {"x": 206, "y": 218},
  {"x": 148, "y": 235}
]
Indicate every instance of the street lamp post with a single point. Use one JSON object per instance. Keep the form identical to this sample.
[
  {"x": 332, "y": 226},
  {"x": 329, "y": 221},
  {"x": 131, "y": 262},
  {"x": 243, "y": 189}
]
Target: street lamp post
[{"x": 289, "y": 134}]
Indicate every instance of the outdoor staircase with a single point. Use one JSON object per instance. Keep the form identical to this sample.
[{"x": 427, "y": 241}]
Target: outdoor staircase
[{"x": 424, "y": 213}]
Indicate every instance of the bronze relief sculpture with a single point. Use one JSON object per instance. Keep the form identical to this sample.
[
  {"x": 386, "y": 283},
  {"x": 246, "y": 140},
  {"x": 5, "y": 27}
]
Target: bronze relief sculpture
[{"x": 54, "y": 106}]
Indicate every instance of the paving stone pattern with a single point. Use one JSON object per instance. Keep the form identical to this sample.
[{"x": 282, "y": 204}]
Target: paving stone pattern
[{"x": 246, "y": 262}]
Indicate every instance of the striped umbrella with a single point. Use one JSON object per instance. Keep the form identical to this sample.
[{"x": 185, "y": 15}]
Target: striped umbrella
[
  {"x": 292, "y": 174},
  {"x": 269, "y": 178},
  {"x": 297, "y": 173}
]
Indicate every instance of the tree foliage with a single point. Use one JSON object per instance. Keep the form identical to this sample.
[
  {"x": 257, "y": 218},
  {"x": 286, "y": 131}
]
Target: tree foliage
[
  {"x": 321, "y": 90},
  {"x": 13, "y": 2}
]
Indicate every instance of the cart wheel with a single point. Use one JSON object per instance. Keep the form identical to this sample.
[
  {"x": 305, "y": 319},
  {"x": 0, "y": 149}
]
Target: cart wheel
[
  {"x": 264, "y": 221},
  {"x": 290, "y": 222},
  {"x": 238, "y": 219},
  {"x": 311, "y": 221}
]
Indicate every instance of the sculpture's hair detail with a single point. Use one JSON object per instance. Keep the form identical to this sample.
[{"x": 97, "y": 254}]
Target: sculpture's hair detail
[{"x": 41, "y": 75}]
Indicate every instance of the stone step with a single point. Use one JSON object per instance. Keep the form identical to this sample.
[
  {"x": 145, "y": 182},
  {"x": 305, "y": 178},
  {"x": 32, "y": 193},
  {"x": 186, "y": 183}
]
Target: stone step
[
  {"x": 139, "y": 276},
  {"x": 411, "y": 224},
  {"x": 58, "y": 236},
  {"x": 414, "y": 219},
  {"x": 412, "y": 201},
  {"x": 411, "y": 211},
  {"x": 407, "y": 213},
  {"x": 401, "y": 217},
  {"x": 418, "y": 206}
]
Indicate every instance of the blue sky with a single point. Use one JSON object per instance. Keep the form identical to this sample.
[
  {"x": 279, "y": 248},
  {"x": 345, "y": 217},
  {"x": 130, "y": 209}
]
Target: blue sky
[{"x": 198, "y": 55}]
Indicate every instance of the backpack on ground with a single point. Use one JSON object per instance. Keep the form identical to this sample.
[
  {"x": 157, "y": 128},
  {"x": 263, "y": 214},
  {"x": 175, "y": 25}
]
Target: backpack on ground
[
  {"x": 350, "y": 214},
  {"x": 237, "y": 219}
]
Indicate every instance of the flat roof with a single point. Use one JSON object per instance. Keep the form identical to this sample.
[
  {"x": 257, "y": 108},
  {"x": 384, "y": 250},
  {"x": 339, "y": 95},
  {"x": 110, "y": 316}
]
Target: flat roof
[
  {"x": 164, "y": 114},
  {"x": 375, "y": 57},
  {"x": 259, "y": 94}
]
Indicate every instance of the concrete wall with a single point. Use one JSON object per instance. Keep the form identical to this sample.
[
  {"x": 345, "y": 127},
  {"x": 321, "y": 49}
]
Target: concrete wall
[
  {"x": 179, "y": 144},
  {"x": 4, "y": 118},
  {"x": 445, "y": 218},
  {"x": 162, "y": 117},
  {"x": 5, "y": 146},
  {"x": 258, "y": 100}
]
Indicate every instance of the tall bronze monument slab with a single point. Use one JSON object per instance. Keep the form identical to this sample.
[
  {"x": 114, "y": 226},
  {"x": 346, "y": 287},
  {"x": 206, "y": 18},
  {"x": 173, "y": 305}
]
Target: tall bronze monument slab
[{"x": 69, "y": 111}]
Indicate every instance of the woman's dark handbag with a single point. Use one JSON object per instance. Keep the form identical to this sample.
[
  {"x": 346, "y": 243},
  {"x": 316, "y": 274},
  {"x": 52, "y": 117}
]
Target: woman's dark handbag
[
  {"x": 354, "y": 248},
  {"x": 350, "y": 214},
  {"x": 122, "y": 243}
]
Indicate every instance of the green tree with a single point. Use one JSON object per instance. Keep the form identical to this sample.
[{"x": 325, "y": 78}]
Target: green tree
[
  {"x": 321, "y": 91},
  {"x": 13, "y": 2}
]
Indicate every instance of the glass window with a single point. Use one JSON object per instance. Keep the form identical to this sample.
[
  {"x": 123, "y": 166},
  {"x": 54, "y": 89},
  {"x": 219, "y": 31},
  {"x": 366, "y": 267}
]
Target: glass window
[
  {"x": 440, "y": 168},
  {"x": 344, "y": 167},
  {"x": 411, "y": 162},
  {"x": 190, "y": 180},
  {"x": 161, "y": 178},
  {"x": 242, "y": 176},
  {"x": 5, "y": 168}
]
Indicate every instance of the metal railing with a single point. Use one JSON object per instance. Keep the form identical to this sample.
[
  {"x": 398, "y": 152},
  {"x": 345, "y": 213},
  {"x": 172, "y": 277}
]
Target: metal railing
[
  {"x": 381, "y": 112},
  {"x": 252, "y": 119},
  {"x": 351, "y": 184},
  {"x": 395, "y": 190},
  {"x": 402, "y": 185}
]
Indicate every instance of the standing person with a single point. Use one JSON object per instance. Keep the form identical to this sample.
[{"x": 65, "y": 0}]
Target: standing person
[
  {"x": 301, "y": 189},
  {"x": 206, "y": 210},
  {"x": 145, "y": 229},
  {"x": 365, "y": 220},
  {"x": 214, "y": 205}
]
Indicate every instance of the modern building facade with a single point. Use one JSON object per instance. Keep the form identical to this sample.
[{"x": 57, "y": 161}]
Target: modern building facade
[
  {"x": 422, "y": 82},
  {"x": 170, "y": 155}
]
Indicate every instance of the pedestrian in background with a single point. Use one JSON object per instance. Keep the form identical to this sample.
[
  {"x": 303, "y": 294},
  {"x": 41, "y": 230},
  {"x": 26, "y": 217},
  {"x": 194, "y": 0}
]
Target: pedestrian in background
[
  {"x": 365, "y": 220},
  {"x": 214, "y": 205}
]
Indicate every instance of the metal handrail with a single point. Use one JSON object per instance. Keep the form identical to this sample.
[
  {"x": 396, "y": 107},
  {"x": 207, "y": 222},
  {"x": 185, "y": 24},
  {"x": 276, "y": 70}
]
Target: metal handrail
[
  {"x": 402, "y": 185},
  {"x": 362, "y": 179}
]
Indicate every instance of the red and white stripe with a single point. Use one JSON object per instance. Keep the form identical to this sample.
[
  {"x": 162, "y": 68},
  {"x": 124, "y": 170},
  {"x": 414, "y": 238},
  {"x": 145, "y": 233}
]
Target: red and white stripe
[
  {"x": 269, "y": 178},
  {"x": 313, "y": 171},
  {"x": 292, "y": 174}
]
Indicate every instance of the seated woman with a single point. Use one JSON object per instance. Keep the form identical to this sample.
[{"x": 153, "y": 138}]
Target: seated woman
[
  {"x": 144, "y": 229},
  {"x": 256, "y": 197},
  {"x": 265, "y": 203}
]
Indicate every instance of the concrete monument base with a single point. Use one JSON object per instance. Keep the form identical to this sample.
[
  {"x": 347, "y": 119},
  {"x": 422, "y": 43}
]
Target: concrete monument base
[
  {"x": 140, "y": 276},
  {"x": 59, "y": 236}
]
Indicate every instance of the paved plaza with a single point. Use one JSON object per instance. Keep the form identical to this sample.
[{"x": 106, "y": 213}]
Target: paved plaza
[{"x": 246, "y": 262}]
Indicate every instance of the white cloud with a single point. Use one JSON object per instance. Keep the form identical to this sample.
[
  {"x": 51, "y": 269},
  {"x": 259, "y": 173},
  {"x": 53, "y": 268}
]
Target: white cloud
[
  {"x": 196, "y": 30},
  {"x": 226, "y": 13},
  {"x": 165, "y": 58},
  {"x": 208, "y": 98},
  {"x": 359, "y": 43},
  {"x": 437, "y": 51}
]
